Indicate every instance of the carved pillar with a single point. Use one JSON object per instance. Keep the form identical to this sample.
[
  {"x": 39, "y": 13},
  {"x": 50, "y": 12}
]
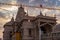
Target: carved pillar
[{"x": 39, "y": 29}]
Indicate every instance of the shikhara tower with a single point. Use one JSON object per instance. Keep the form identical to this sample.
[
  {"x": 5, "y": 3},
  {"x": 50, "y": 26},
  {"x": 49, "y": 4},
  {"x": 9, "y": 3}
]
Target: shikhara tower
[{"x": 27, "y": 27}]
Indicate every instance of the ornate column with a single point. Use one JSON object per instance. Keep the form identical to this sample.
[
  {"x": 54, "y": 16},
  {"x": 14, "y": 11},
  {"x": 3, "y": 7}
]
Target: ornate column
[{"x": 39, "y": 29}]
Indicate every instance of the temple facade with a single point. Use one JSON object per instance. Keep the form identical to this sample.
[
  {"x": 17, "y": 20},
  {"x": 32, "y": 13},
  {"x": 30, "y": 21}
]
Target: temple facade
[{"x": 26, "y": 27}]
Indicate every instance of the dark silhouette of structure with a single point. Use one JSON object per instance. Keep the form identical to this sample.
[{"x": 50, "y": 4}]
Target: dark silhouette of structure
[{"x": 27, "y": 27}]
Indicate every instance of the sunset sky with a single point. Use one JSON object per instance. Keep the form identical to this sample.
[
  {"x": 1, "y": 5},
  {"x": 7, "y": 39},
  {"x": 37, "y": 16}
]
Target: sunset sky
[{"x": 5, "y": 15}]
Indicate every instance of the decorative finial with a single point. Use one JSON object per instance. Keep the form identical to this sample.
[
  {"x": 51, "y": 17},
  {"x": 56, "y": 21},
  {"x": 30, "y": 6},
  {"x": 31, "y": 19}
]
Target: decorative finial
[
  {"x": 55, "y": 15},
  {"x": 21, "y": 5},
  {"x": 45, "y": 14},
  {"x": 12, "y": 19},
  {"x": 41, "y": 13},
  {"x": 27, "y": 12},
  {"x": 41, "y": 10},
  {"x": 41, "y": 6}
]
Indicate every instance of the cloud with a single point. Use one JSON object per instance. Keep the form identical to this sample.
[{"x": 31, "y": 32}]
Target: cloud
[
  {"x": 33, "y": 11},
  {"x": 2, "y": 15},
  {"x": 58, "y": 0},
  {"x": 31, "y": 1},
  {"x": 46, "y": 0},
  {"x": 22, "y": 1},
  {"x": 5, "y": 15},
  {"x": 7, "y": 1}
]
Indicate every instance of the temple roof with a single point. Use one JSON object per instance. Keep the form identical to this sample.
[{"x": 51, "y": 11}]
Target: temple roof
[{"x": 29, "y": 17}]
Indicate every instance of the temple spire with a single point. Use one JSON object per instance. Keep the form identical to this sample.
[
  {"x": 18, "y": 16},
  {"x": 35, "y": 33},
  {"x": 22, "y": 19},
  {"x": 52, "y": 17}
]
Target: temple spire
[
  {"x": 21, "y": 8},
  {"x": 20, "y": 14}
]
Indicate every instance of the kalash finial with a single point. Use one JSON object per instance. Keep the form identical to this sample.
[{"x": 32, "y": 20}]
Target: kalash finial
[
  {"x": 54, "y": 15},
  {"x": 45, "y": 14},
  {"x": 12, "y": 19},
  {"x": 41, "y": 13},
  {"x": 41, "y": 10},
  {"x": 21, "y": 5},
  {"x": 41, "y": 6}
]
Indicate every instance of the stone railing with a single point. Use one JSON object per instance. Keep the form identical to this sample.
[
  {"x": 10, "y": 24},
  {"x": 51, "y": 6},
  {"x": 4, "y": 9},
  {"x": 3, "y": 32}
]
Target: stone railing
[{"x": 51, "y": 36}]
